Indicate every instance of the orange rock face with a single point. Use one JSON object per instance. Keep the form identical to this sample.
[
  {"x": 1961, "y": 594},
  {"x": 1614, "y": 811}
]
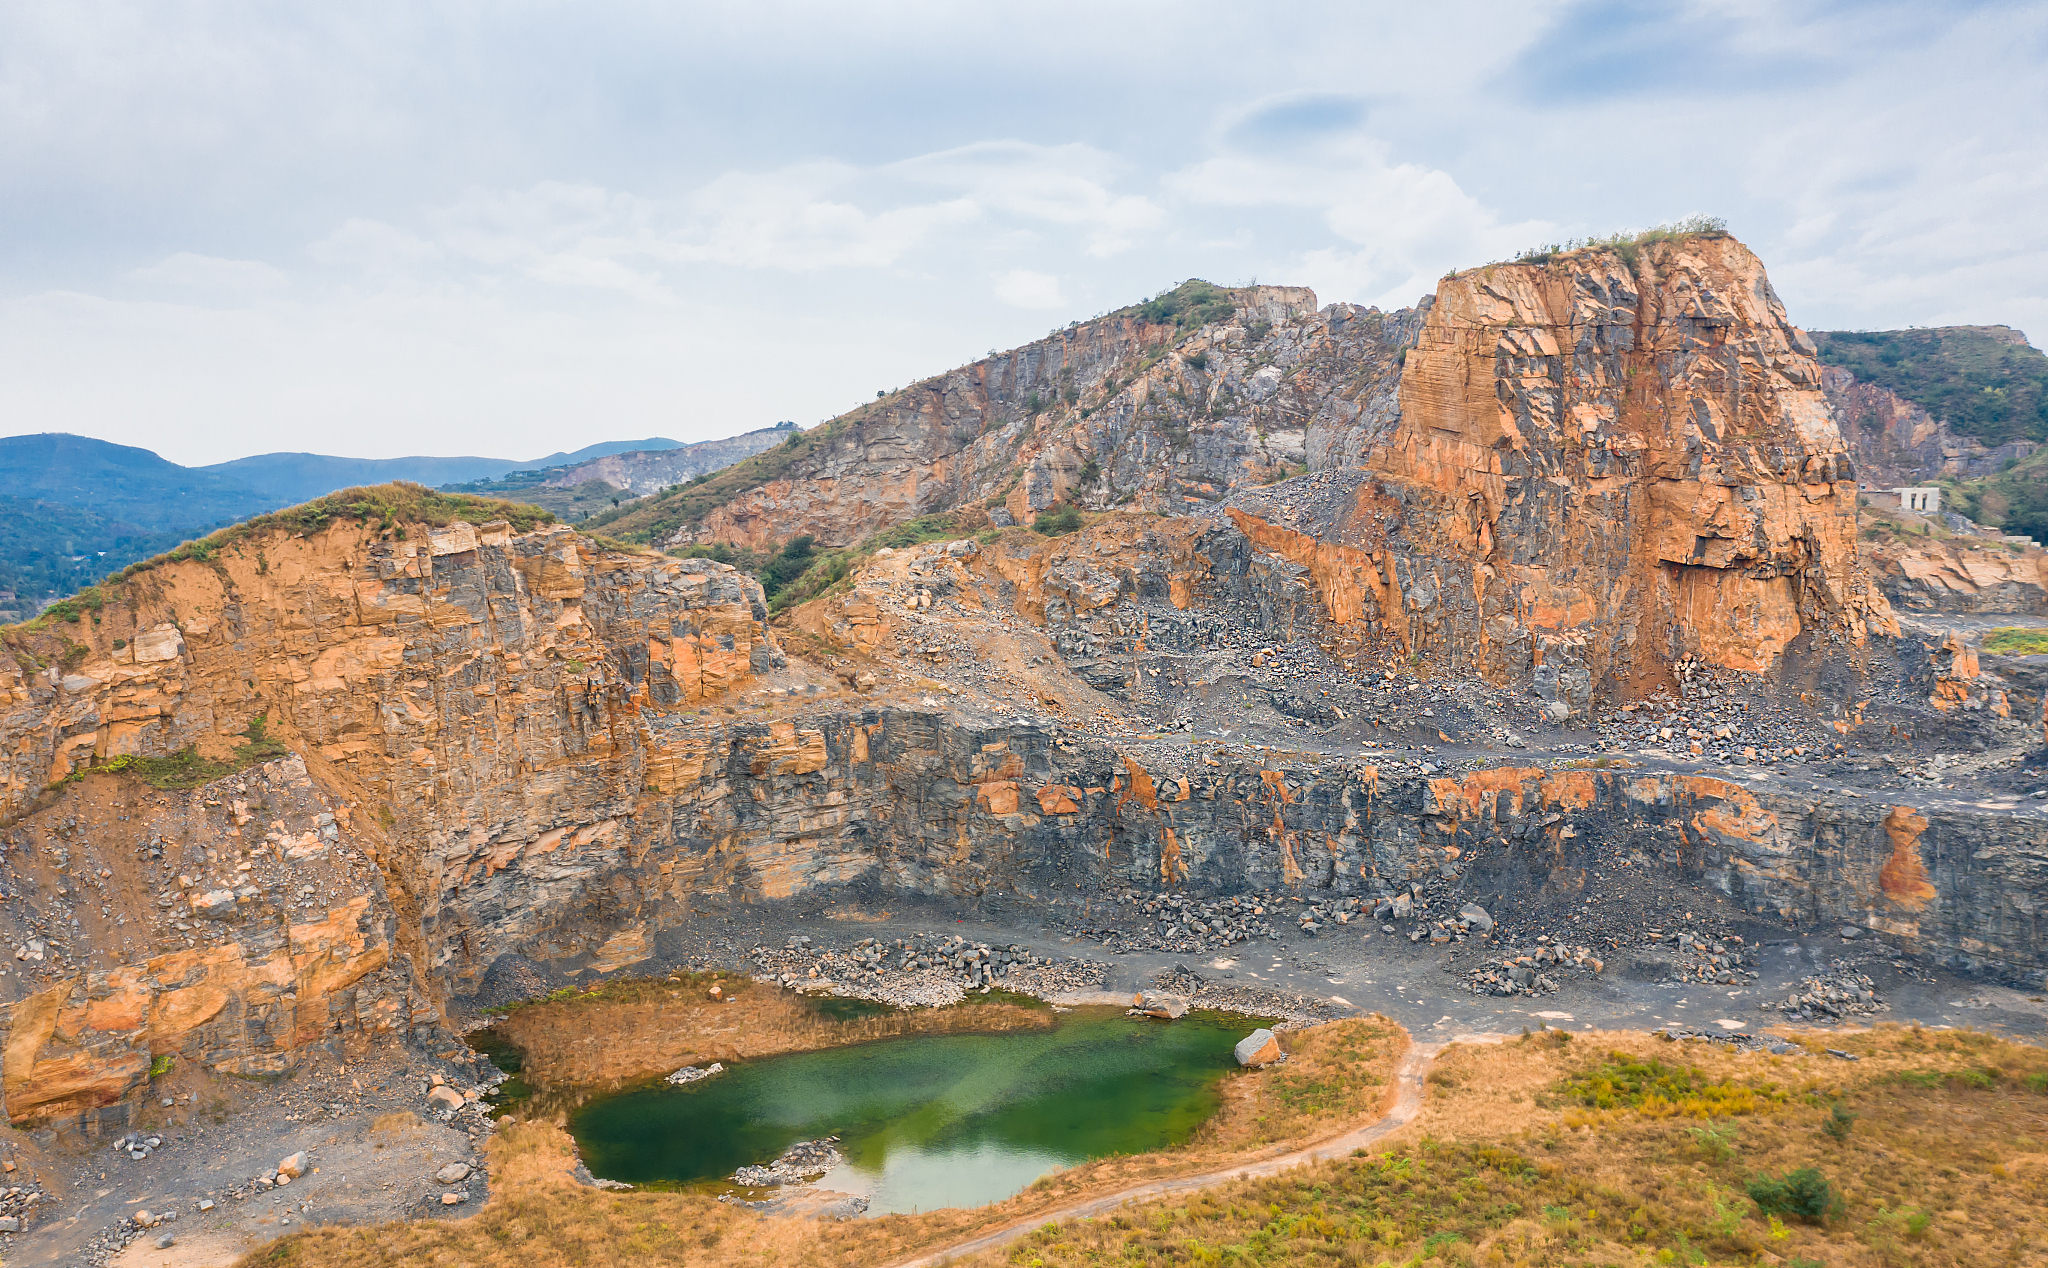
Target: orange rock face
[{"x": 1597, "y": 470}]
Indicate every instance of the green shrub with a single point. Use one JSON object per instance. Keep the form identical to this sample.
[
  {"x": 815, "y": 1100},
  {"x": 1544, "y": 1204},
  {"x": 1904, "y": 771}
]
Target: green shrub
[
  {"x": 1803, "y": 1194},
  {"x": 2017, "y": 642},
  {"x": 787, "y": 564},
  {"x": 1057, "y": 521},
  {"x": 1839, "y": 1122}
]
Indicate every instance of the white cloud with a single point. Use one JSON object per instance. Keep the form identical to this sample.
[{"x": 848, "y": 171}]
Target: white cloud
[
  {"x": 1023, "y": 288},
  {"x": 188, "y": 271},
  {"x": 530, "y": 220},
  {"x": 1396, "y": 226},
  {"x": 1065, "y": 185}
]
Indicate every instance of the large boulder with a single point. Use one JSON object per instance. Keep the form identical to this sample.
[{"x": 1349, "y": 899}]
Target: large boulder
[{"x": 1260, "y": 1047}]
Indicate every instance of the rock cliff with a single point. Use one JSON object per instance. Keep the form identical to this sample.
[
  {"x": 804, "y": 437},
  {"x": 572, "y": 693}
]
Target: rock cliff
[{"x": 457, "y": 698}]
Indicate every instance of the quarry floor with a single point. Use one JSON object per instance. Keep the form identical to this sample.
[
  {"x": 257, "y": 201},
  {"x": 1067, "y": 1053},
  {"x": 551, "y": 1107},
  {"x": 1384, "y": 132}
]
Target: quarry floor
[{"x": 367, "y": 1173}]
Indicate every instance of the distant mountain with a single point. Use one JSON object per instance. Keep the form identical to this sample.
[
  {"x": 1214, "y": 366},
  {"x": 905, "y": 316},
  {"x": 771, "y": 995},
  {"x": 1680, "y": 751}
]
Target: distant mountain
[
  {"x": 124, "y": 484},
  {"x": 73, "y": 509},
  {"x": 292, "y": 478},
  {"x": 593, "y": 482}
]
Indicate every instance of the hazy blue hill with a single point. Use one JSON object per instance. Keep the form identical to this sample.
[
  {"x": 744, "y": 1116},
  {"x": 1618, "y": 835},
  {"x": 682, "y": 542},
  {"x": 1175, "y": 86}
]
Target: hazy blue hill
[
  {"x": 291, "y": 478},
  {"x": 123, "y": 484}
]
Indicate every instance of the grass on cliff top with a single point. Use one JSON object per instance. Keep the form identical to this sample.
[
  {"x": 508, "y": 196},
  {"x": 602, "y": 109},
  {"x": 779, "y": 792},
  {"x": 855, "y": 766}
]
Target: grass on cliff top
[
  {"x": 1628, "y": 243},
  {"x": 390, "y": 506},
  {"x": 1929, "y": 1150}
]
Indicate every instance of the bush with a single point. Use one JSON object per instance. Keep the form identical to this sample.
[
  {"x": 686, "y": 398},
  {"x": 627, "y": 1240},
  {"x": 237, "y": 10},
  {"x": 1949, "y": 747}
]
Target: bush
[
  {"x": 1660, "y": 1091},
  {"x": 787, "y": 564},
  {"x": 1057, "y": 522},
  {"x": 1803, "y": 1194},
  {"x": 1838, "y": 1123}
]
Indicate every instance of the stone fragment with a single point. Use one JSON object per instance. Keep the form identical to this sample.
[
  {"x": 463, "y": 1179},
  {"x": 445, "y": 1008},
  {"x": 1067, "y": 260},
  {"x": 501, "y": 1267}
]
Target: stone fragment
[
  {"x": 451, "y": 1199},
  {"x": 293, "y": 1166},
  {"x": 453, "y": 1173},
  {"x": 1476, "y": 916},
  {"x": 444, "y": 1098},
  {"x": 166, "y": 1242}
]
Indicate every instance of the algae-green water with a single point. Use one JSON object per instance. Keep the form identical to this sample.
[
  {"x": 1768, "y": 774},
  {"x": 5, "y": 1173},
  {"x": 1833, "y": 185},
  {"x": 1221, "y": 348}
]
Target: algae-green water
[{"x": 934, "y": 1120}]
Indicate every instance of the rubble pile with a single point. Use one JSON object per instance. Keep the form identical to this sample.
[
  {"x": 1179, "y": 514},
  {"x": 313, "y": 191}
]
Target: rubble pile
[
  {"x": 1839, "y": 992},
  {"x": 1741, "y": 1041},
  {"x": 692, "y": 1073},
  {"x": 1250, "y": 1001},
  {"x": 921, "y": 970},
  {"x": 1530, "y": 972},
  {"x": 1174, "y": 922},
  {"x": 18, "y": 1206},
  {"x": 1720, "y": 960},
  {"x": 805, "y": 1160}
]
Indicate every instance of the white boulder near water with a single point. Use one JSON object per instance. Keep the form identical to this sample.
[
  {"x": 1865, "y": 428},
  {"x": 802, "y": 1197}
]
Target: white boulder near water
[
  {"x": 691, "y": 1073},
  {"x": 1258, "y": 1048}
]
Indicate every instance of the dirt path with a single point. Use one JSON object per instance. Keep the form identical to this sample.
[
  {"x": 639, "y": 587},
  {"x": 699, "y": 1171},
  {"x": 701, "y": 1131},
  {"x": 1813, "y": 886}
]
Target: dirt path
[{"x": 1408, "y": 1076}]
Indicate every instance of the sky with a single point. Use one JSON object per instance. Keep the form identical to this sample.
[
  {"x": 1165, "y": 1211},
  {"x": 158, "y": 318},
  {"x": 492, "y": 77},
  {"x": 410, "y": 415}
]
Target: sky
[{"x": 511, "y": 227}]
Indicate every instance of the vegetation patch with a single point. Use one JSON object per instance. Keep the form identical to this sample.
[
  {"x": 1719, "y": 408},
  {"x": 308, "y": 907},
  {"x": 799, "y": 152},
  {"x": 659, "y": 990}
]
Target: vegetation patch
[
  {"x": 1656, "y": 1090},
  {"x": 1628, "y": 243},
  {"x": 186, "y": 768},
  {"x": 1058, "y": 521},
  {"x": 2017, "y": 642},
  {"x": 1192, "y": 304}
]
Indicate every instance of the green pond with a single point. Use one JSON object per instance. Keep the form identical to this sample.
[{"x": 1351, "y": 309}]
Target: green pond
[{"x": 929, "y": 1121}]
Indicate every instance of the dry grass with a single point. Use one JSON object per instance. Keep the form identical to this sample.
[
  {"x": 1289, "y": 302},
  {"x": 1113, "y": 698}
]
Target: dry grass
[
  {"x": 539, "y": 1216},
  {"x": 1508, "y": 1165}
]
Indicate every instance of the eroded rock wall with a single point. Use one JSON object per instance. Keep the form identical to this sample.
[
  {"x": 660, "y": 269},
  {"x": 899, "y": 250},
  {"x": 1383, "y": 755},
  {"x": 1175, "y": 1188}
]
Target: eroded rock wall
[
  {"x": 915, "y": 801},
  {"x": 457, "y": 698}
]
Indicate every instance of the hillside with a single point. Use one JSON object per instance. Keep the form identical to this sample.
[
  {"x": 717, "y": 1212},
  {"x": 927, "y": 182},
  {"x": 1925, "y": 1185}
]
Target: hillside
[{"x": 1984, "y": 382}]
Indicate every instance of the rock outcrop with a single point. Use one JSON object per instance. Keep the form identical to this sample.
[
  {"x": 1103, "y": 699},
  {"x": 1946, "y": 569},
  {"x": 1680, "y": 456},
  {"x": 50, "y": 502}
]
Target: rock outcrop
[{"x": 644, "y": 471}]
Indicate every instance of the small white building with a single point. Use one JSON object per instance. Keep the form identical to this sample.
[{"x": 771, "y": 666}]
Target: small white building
[
  {"x": 1926, "y": 501},
  {"x": 1920, "y": 501}
]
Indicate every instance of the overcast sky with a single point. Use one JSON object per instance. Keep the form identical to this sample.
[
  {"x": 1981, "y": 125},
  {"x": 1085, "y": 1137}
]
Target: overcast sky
[{"x": 506, "y": 228}]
